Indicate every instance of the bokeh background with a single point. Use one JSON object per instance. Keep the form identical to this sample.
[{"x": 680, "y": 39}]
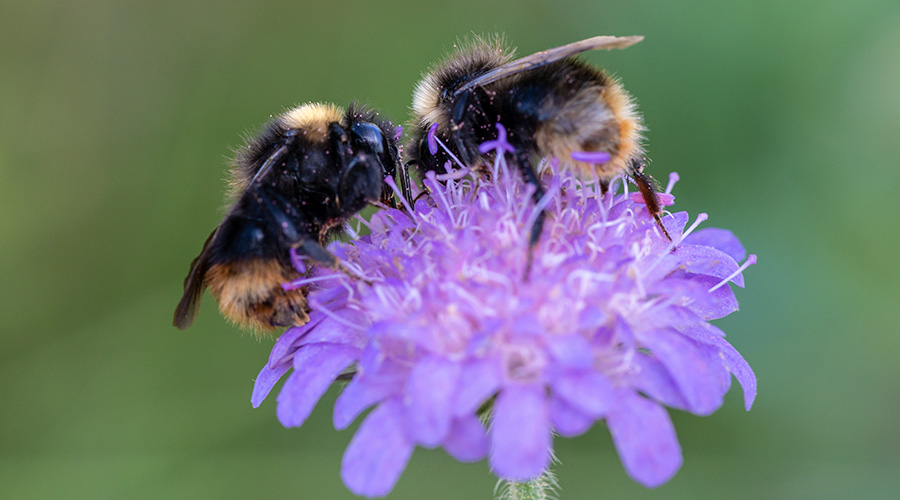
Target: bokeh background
[{"x": 116, "y": 119}]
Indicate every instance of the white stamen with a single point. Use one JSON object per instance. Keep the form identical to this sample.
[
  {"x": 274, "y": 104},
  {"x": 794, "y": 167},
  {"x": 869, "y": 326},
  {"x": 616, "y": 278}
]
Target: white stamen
[
  {"x": 453, "y": 156},
  {"x": 747, "y": 263},
  {"x": 700, "y": 218},
  {"x": 343, "y": 321},
  {"x": 539, "y": 207},
  {"x": 431, "y": 176},
  {"x": 454, "y": 174},
  {"x": 673, "y": 178},
  {"x": 359, "y": 218},
  {"x": 293, "y": 285},
  {"x": 351, "y": 231}
]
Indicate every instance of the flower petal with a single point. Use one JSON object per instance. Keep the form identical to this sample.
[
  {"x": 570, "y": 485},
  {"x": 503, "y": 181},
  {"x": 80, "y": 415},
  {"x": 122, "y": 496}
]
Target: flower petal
[
  {"x": 520, "y": 433},
  {"x": 732, "y": 359},
  {"x": 378, "y": 452},
  {"x": 588, "y": 391},
  {"x": 315, "y": 368},
  {"x": 572, "y": 351},
  {"x": 479, "y": 380},
  {"x": 645, "y": 439},
  {"x": 431, "y": 390},
  {"x": 467, "y": 440},
  {"x": 698, "y": 377},
  {"x": 267, "y": 379},
  {"x": 721, "y": 239},
  {"x": 709, "y": 262},
  {"x": 738, "y": 366},
  {"x": 362, "y": 392},
  {"x": 285, "y": 345},
  {"x": 716, "y": 304},
  {"x": 566, "y": 419},
  {"x": 334, "y": 330},
  {"x": 652, "y": 378}
]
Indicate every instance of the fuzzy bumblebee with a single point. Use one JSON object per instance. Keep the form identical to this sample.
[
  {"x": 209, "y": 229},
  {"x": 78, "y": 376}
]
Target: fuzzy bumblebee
[
  {"x": 550, "y": 104},
  {"x": 293, "y": 186}
]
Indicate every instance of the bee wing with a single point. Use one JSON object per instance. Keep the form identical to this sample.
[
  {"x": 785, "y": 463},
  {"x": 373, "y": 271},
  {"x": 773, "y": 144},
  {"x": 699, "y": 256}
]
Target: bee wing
[
  {"x": 194, "y": 284},
  {"x": 548, "y": 56}
]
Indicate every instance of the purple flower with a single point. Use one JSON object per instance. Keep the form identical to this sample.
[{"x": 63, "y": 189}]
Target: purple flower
[{"x": 612, "y": 324}]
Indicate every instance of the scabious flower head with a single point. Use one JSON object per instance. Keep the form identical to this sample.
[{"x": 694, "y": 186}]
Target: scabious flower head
[{"x": 611, "y": 323}]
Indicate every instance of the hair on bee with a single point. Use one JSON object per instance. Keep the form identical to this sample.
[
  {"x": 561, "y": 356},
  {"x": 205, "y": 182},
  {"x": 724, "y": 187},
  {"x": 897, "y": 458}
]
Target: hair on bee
[
  {"x": 293, "y": 186},
  {"x": 550, "y": 103}
]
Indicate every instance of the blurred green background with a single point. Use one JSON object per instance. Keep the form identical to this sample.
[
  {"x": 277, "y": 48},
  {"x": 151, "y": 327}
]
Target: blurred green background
[{"x": 116, "y": 119}]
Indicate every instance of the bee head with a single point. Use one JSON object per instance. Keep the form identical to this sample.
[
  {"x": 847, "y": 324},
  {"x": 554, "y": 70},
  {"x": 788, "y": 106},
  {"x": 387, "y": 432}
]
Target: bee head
[{"x": 370, "y": 140}]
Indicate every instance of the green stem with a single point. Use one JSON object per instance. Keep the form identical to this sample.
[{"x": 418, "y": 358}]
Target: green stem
[{"x": 542, "y": 487}]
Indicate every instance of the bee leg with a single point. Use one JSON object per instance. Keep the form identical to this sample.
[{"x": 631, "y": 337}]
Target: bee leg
[
  {"x": 531, "y": 178},
  {"x": 406, "y": 184},
  {"x": 305, "y": 243},
  {"x": 314, "y": 250},
  {"x": 645, "y": 184},
  {"x": 604, "y": 187}
]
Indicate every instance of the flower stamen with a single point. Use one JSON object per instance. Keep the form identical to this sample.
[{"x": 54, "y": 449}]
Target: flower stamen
[{"x": 747, "y": 263}]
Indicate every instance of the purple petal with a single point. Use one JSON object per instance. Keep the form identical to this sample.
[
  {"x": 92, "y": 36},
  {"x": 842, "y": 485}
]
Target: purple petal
[
  {"x": 588, "y": 391},
  {"x": 738, "y": 366},
  {"x": 685, "y": 290},
  {"x": 732, "y": 359},
  {"x": 566, "y": 419},
  {"x": 378, "y": 452},
  {"x": 467, "y": 440},
  {"x": 716, "y": 304},
  {"x": 591, "y": 318},
  {"x": 334, "y": 331},
  {"x": 520, "y": 433},
  {"x": 698, "y": 377},
  {"x": 571, "y": 351},
  {"x": 284, "y": 346},
  {"x": 315, "y": 368},
  {"x": 645, "y": 439},
  {"x": 430, "y": 391},
  {"x": 675, "y": 223},
  {"x": 708, "y": 261},
  {"x": 721, "y": 239},
  {"x": 362, "y": 392},
  {"x": 652, "y": 378},
  {"x": 479, "y": 381},
  {"x": 267, "y": 379},
  {"x": 714, "y": 356},
  {"x": 334, "y": 297}
]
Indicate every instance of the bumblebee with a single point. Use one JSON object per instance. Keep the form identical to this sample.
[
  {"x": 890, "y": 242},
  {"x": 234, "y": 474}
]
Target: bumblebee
[
  {"x": 293, "y": 187},
  {"x": 550, "y": 103}
]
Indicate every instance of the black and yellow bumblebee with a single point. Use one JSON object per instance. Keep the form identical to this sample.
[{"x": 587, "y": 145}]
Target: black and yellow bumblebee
[
  {"x": 550, "y": 103},
  {"x": 294, "y": 186}
]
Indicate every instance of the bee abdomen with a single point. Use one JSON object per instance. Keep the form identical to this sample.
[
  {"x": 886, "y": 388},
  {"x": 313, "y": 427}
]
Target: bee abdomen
[{"x": 249, "y": 292}]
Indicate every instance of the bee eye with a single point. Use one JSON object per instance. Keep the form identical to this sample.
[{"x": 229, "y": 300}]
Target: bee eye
[{"x": 370, "y": 137}]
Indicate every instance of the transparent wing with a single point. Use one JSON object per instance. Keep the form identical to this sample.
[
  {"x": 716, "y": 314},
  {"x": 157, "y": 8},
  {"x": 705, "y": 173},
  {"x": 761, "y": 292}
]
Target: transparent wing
[
  {"x": 548, "y": 56},
  {"x": 194, "y": 285},
  {"x": 195, "y": 282}
]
